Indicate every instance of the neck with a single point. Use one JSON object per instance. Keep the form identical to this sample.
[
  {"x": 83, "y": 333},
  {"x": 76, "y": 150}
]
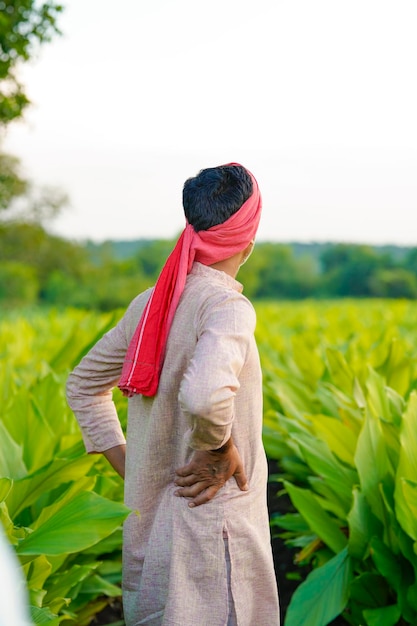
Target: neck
[{"x": 229, "y": 266}]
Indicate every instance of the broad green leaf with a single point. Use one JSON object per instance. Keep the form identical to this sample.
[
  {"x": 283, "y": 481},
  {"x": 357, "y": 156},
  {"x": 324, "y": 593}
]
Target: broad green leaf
[
  {"x": 111, "y": 569},
  {"x": 31, "y": 421},
  {"x": 411, "y": 596},
  {"x": 377, "y": 396},
  {"x": 107, "y": 545},
  {"x": 327, "y": 498},
  {"x": 368, "y": 590},
  {"x": 49, "y": 401},
  {"x": 36, "y": 596},
  {"x": 328, "y": 402},
  {"x": 80, "y": 486},
  {"x": 11, "y": 456},
  {"x": 407, "y": 465},
  {"x": 87, "y": 609},
  {"x": 406, "y": 478},
  {"x": 341, "y": 374},
  {"x": 373, "y": 464},
  {"x": 362, "y": 526},
  {"x": 274, "y": 445},
  {"x": 37, "y": 572},
  {"x": 97, "y": 586},
  {"x": 323, "y": 595},
  {"x": 325, "y": 527},
  {"x": 62, "y": 584},
  {"x": 295, "y": 397},
  {"x": 396, "y": 406},
  {"x": 397, "y": 367},
  {"x": 58, "y": 605},
  {"x": 290, "y": 521},
  {"x": 392, "y": 532},
  {"x": 45, "y": 616},
  {"x": 389, "y": 433},
  {"x": 82, "y": 522},
  {"x": 384, "y": 616},
  {"x": 56, "y": 473},
  {"x": 7, "y": 381},
  {"x": 327, "y": 466},
  {"x": 337, "y": 404},
  {"x": 78, "y": 331},
  {"x": 387, "y": 563},
  {"x": 307, "y": 359},
  {"x": 5, "y": 487},
  {"x": 107, "y": 323},
  {"x": 358, "y": 394},
  {"x": 406, "y": 506},
  {"x": 57, "y": 562},
  {"x": 340, "y": 439},
  {"x": 12, "y": 533}
]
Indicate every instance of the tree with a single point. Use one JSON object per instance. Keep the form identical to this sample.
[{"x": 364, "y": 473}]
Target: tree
[
  {"x": 12, "y": 185},
  {"x": 410, "y": 261},
  {"x": 24, "y": 25},
  {"x": 348, "y": 269},
  {"x": 274, "y": 272},
  {"x": 394, "y": 283},
  {"x": 30, "y": 245}
]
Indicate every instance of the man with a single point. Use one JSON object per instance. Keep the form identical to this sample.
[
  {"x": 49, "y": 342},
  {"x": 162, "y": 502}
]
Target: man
[{"x": 199, "y": 554}]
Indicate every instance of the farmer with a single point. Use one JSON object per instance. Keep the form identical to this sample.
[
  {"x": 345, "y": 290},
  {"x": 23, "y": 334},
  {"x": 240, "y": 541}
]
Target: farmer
[{"x": 199, "y": 552}]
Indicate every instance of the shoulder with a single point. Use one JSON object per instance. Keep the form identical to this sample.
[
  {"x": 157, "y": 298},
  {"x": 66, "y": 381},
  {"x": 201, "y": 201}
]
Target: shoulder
[
  {"x": 138, "y": 304},
  {"x": 216, "y": 299},
  {"x": 134, "y": 312},
  {"x": 227, "y": 308}
]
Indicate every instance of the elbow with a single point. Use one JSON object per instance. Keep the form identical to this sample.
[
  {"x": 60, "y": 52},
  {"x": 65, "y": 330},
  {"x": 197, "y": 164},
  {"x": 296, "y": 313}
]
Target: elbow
[
  {"x": 201, "y": 401},
  {"x": 71, "y": 390},
  {"x": 194, "y": 402},
  {"x": 192, "y": 405}
]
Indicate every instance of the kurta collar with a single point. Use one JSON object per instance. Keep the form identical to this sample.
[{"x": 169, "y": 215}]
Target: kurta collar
[{"x": 212, "y": 274}]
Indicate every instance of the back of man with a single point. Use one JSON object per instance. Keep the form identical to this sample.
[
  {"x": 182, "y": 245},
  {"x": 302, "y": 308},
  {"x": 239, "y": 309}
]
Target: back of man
[
  {"x": 198, "y": 552},
  {"x": 223, "y": 379}
]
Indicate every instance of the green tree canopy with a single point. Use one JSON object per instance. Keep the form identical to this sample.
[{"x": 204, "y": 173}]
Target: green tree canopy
[
  {"x": 24, "y": 25},
  {"x": 348, "y": 269},
  {"x": 12, "y": 185}
]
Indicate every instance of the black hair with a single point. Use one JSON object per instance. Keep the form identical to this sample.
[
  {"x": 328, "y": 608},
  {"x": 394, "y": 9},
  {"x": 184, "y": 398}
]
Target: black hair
[{"x": 215, "y": 194}]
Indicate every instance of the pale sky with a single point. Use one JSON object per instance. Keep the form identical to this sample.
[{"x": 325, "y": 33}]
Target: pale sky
[{"x": 318, "y": 98}]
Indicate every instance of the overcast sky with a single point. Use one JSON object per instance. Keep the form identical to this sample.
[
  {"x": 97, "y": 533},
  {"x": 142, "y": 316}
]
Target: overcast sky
[{"x": 318, "y": 98}]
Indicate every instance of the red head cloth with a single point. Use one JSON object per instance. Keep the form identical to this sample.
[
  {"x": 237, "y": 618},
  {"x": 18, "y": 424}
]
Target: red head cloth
[{"x": 145, "y": 354}]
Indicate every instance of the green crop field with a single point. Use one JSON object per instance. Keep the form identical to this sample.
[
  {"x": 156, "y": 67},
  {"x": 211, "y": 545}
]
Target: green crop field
[{"x": 340, "y": 420}]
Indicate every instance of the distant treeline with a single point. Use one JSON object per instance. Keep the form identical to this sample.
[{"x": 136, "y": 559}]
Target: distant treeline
[{"x": 39, "y": 268}]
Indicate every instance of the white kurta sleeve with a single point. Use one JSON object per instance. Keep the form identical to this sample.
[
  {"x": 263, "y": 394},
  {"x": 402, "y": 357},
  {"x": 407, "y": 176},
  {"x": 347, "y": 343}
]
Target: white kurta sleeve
[
  {"x": 89, "y": 386},
  {"x": 211, "y": 380}
]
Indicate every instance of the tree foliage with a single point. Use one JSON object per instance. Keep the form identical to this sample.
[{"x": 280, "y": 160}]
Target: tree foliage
[
  {"x": 24, "y": 26},
  {"x": 45, "y": 269},
  {"x": 12, "y": 185}
]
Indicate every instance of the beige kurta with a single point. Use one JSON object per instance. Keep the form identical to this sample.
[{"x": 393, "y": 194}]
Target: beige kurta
[{"x": 174, "y": 566}]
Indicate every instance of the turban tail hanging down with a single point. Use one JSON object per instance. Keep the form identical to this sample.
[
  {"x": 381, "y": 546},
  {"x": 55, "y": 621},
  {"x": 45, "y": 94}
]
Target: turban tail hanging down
[{"x": 145, "y": 354}]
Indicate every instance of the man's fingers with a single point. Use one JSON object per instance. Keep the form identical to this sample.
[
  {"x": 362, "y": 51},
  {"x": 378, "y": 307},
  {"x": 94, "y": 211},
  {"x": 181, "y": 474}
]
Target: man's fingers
[
  {"x": 191, "y": 491},
  {"x": 187, "y": 481},
  {"x": 240, "y": 477},
  {"x": 205, "y": 496},
  {"x": 185, "y": 471}
]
